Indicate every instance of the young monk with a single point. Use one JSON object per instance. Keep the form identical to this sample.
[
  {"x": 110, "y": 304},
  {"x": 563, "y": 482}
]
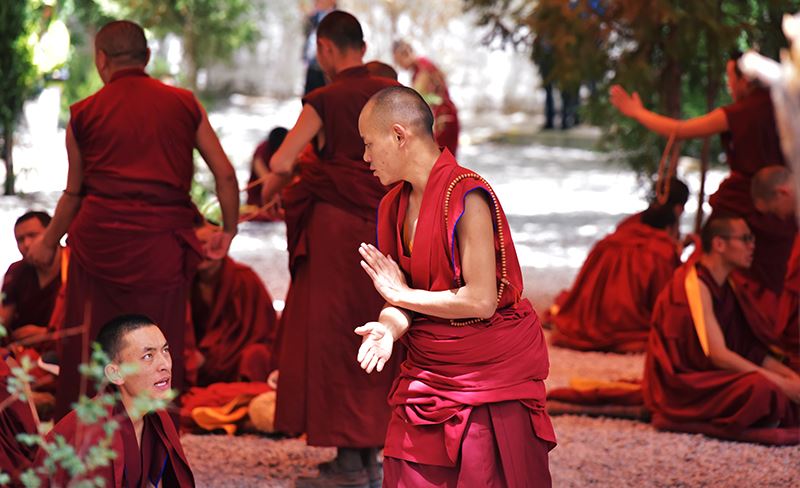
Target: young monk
[
  {"x": 329, "y": 211},
  {"x": 706, "y": 369},
  {"x": 750, "y": 139},
  {"x": 773, "y": 193},
  {"x": 468, "y": 406},
  {"x": 127, "y": 205},
  {"x": 610, "y": 303},
  {"x": 148, "y": 447}
]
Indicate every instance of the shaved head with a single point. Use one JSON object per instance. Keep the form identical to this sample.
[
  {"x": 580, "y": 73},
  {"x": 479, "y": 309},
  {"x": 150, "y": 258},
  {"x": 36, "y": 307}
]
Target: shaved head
[
  {"x": 718, "y": 225},
  {"x": 342, "y": 29},
  {"x": 401, "y": 105},
  {"x": 123, "y": 42},
  {"x": 381, "y": 70},
  {"x": 766, "y": 183}
]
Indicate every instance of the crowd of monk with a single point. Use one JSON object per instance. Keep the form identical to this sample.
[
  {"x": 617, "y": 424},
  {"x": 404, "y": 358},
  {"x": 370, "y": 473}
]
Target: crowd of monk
[{"x": 435, "y": 321}]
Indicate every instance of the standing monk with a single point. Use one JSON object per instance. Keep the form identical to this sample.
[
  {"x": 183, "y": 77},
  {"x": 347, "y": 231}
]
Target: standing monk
[
  {"x": 329, "y": 211},
  {"x": 429, "y": 81},
  {"x": 127, "y": 206},
  {"x": 468, "y": 408},
  {"x": 750, "y": 138}
]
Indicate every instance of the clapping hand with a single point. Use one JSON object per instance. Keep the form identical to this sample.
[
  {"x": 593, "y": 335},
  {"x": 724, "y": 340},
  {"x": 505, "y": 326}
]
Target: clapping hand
[
  {"x": 627, "y": 104},
  {"x": 386, "y": 275},
  {"x": 376, "y": 346}
]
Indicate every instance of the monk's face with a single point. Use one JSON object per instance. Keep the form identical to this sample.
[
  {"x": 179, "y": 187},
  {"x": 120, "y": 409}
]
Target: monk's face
[
  {"x": 380, "y": 147},
  {"x": 147, "y": 348},
  {"x": 403, "y": 57},
  {"x": 738, "y": 244},
  {"x": 204, "y": 234},
  {"x": 25, "y": 233}
]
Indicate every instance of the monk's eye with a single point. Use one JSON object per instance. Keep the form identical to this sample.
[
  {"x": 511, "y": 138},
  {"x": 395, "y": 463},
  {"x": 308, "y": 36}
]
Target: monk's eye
[
  {"x": 166, "y": 348},
  {"x": 147, "y": 357}
]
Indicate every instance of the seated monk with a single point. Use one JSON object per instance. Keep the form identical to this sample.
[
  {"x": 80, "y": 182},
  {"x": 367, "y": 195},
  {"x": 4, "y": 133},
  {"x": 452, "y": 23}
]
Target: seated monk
[
  {"x": 234, "y": 323},
  {"x": 258, "y": 165},
  {"x": 29, "y": 290},
  {"x": 468, "y": 406},
  {"x": 773, "y": 193},
  {"x": 706, "y": 370},
  {"x": 148, "y": 448},
  {"x": 610, "y": 303}
]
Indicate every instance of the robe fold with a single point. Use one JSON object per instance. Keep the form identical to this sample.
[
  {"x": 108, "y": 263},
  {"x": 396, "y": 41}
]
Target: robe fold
[
  {"x": 788, "y": 319},
  {"x": 16, "y": 418},
  {"x": 687, "y": 392},
  {"x": 457, "y": 382},
  {"x": 330, "y": 210},
  {"x": 239, "y": 323},
  {"x": 608, "y": 307},
  {"x": 160, "y": 459},
  {"x": 133, "y": 247}
]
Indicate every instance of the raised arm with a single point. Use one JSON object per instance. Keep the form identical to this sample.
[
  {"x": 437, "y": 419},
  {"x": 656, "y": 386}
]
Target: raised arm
[
  {"x": 43, "y": 248},
  {"x": 714, "y": 122},
  {"x": 476, "y": 299}
]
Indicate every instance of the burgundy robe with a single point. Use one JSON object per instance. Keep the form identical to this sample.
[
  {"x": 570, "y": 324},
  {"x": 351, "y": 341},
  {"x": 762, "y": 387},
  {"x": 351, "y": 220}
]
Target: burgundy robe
[
  {"x": 33, "y": 304},
  {"x": 159, "y": 460},
  {"x": 752, "y": 143},
  {"x": 687, "y": 392},
  {"x": 16, "y": 418},
  {"x": 445, "y": 114},
  {"x": 236, "y": 333},
  {"x": 331, "y": 209},
  {"x": 469, "y": 403},
  {"x": 133, "y": 244},
  {"x": 610, "y": 303},
  {"x": 788, "y": 322}
]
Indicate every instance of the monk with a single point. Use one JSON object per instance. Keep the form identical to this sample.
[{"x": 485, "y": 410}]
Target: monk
[
  {"x": 430, "y": 82},
  {"x": 147, "y": 446},
  {"x": 773, "y": 193},
  {"x": 330, "y": 209},
  {"x": 16, "y": 417},
  {"x": 234, "y": 323},
  {"x": 30, "y": 289},
  {"x": 610, "y": 303},
  {"x": 750, "y": 139},
  {"x": 258, "y": 164},
  {"x": 468, "y": 408},
  {"x": 127, "y": 205},
  {"x": 706, "y": 370}
]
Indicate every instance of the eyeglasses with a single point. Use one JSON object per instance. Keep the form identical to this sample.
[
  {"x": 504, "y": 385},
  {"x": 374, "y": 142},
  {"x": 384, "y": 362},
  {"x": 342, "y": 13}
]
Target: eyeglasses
[{"x": 745, "y": 238}]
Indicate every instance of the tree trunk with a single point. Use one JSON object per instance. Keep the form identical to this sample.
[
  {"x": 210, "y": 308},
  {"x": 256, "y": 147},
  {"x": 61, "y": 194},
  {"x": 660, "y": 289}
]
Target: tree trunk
[
  {"x": 190, "y": 54},
  {"x": 8, "y": 157},
  {"x": 671, "y": 78}
]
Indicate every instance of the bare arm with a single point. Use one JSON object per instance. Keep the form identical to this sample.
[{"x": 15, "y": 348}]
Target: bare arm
[
  {"x": 478, "y": 296},
  {"x": 259, "y": 166},
  {"x": 224, "y": 175},
  {"x": 714, "y": 122}
]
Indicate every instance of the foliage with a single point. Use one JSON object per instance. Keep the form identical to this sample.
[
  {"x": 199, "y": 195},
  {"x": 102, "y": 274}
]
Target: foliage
[{"x": 672, "y": 52}]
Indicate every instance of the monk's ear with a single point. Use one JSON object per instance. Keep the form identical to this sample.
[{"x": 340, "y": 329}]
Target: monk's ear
[
  {"x": 147, "y": 57},
  {"x": 399, "y": 134},
  {"x": 113, "y": 374}
]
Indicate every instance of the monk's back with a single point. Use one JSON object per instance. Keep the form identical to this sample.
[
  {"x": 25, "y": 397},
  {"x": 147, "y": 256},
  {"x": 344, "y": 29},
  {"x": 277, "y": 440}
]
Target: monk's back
[{"x": 137, "y": 129}]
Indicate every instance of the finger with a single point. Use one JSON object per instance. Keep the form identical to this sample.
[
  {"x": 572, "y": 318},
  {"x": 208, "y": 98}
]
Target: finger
[
  {"x": 367, "y": 358},
  {"x": 371, "y": 272},
  {"x": 362, "y": 351},
  {"x": 381, "y": 364},
  {"x": 372, "y": 363}
]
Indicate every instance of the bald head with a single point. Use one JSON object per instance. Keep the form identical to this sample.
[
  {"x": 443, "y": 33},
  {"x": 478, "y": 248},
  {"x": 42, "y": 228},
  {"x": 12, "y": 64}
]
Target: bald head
[
  {"x": 401, "y": 105},
  {"x": 381, "y": 70},
  {"x": 123, "y": 42},
  {"x": 342, "y": 29},
  {"x": 772, "y": 191}
]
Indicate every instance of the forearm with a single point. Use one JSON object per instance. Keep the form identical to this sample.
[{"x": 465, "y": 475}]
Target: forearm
[
  {"x": 66, "y": 209},
  {"x": 458, "y": 303},
  {"x": 659, "y": 124},
  {"x": 228, "y": 195},
  {"x": 775, "y": 366},
  {"x": 396, "y": 321},
  {"x": 259, "y": 167},
  {"x": 729, "y": 360}
]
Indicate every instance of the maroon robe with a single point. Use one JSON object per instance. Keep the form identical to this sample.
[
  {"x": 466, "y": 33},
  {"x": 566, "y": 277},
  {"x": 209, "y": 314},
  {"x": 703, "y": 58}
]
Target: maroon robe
[
  {"x": 460, "y": 383},
  {"x": 159, "y": 460},
  {"x": 610, "y": 303},
  {"x": 445, "y": 114},
  {"x": 254, "y": 192},
  {"x": 236, "y": 333},
  {"x": 752, "y": 143},
  {"x": 321, "y": 389},
  {"x": 687, "y": 392},
  {"x": 133, "y": 244},
  {"x": 16, "y": 418},
  {"x": 33, "y": 304},
  {"x": 788, "y": 322}
]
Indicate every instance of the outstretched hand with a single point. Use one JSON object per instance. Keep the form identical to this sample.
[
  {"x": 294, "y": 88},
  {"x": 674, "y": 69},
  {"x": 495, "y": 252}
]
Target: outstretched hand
[
  {"x": 627, "y": 104},
  {"x": 376, "y": 346},
  {"x": 386, "y": 275}
]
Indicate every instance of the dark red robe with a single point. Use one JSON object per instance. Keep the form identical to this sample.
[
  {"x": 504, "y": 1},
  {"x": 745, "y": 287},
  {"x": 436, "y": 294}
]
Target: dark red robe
[
  {"x": 322, "y": 390},
  {"x": 16, "y": 418},
  {"x": 33, "y": 304},
  {"x": 133, "y": 244},
  {"x": 787, "y": 328},
  {"x": 469, "y": 403},
  {"x": 445, "y": 114},
  {"x": 236, "y": 333},
  {"x": 752, "y": 143},
  {"x": 687, "y": 392},
  {"x": 160, "y": 459},
  {"x": 610, "y": 303}
]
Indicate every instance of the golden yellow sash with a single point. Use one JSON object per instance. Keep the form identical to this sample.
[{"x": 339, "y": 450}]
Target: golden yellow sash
[{"x": 692, "y": 286}]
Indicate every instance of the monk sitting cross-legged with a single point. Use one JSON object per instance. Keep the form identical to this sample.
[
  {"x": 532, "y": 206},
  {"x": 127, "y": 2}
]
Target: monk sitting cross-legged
[
  {"x": 610, "y": 303},
  {"x": 706, "y": 370},
  {"x": 468, "y": 405},
  {"x": 148, "y": 448},
  {"x": 233, "y": 318}
]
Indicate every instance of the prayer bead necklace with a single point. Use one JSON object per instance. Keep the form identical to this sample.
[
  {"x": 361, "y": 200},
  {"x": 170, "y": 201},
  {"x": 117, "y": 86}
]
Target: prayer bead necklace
[{"x": 500, "y": 236}]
